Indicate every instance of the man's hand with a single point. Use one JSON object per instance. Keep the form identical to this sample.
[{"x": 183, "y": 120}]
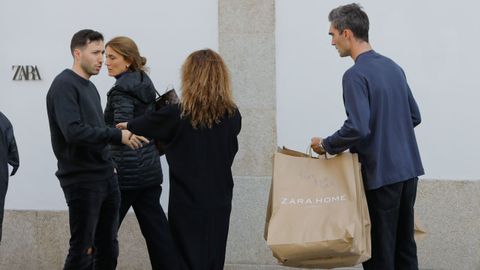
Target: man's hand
[
  {"x": 126, "y": 137},
  {"x": 131, "y": 140},
  {"x": 137, "y": 141},
  {"x": 316, "y": 144}
]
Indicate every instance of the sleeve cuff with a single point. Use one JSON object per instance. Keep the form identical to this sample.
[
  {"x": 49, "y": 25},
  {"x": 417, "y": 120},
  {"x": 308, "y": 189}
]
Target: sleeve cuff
[
  {"x": 117, "y": 136},
  {"x": 326, "y": 146}
]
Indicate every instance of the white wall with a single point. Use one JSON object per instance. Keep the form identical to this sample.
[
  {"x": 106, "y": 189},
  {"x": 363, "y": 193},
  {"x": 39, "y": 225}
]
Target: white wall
[
  {"x": 436, "y": 43},
  {"x": 39, "y": 33}
]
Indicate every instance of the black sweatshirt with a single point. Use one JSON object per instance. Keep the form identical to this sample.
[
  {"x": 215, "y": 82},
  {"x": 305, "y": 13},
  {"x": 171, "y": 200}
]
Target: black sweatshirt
[{"x": 78, "y": 132}]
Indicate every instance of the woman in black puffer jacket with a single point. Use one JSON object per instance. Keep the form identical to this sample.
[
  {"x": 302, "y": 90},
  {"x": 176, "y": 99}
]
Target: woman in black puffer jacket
[{"x": 139, "y": 171}]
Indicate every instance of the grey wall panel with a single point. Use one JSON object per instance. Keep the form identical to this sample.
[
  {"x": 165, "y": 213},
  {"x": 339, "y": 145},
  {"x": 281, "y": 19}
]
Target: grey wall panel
[{"x": 247, "y": 43}]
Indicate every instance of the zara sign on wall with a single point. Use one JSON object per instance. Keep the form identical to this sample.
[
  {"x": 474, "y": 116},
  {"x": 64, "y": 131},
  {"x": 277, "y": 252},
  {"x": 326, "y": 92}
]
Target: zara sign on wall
[{"x": 26, "y": 73}]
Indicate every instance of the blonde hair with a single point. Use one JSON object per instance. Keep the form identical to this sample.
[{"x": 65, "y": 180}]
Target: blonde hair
[
  {"x": 206, "y": 89},
  {"x": 127, "y": 48}
]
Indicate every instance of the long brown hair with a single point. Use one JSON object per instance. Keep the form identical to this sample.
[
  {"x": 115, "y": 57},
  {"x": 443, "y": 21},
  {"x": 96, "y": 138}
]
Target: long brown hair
[
  {"x": 127, "y": 48},
  {"x": 206, "y": 89}
]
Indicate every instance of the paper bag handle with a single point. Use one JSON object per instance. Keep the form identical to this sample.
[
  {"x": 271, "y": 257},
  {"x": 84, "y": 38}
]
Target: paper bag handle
[{"x": 309, "y": 152}]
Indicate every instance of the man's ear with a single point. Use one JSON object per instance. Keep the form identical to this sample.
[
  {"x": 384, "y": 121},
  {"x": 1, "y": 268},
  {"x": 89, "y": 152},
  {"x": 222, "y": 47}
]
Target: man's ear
[
  {"x": 347, "y": 33},
  {"x": 77, "y": 53}
]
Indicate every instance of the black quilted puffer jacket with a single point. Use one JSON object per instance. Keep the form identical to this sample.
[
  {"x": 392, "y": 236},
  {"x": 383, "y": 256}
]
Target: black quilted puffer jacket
[{"x": 133, "y": 95}]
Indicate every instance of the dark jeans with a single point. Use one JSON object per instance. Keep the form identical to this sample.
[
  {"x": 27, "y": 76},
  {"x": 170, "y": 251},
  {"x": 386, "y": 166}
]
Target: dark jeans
[
  {"x": 391, "y": 214},
  {"x": 153, "y": 224},
  {"x": 93, "y": 210}
]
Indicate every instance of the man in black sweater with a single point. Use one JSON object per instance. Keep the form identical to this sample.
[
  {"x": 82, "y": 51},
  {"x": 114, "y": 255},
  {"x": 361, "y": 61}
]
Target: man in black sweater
[{"x": 85, "y": 169}]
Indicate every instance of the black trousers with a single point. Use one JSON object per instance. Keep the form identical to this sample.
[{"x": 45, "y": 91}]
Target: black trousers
[
  {"x": 391, "y": 214},
  {"x": 3, "y": 193},
  {"x": 153, "y": 224},
  {"x": 93, "y": 212}
]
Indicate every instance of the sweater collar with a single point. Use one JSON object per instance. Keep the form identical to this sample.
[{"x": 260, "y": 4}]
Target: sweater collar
[
  {"x": 365, "y": 55},
  {"x": 79, "y": 78}
]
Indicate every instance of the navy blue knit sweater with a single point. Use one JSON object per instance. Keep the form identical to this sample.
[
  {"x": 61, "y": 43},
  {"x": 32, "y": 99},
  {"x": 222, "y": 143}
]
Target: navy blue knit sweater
[{"x": 381, "y": 116}]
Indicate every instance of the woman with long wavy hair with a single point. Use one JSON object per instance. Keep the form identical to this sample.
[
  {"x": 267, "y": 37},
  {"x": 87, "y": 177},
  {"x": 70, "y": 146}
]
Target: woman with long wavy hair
[{"x": 200, "y": 135}]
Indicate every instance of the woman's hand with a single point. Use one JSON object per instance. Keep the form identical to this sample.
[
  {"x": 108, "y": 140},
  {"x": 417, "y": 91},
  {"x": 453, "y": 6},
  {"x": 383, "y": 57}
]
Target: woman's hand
[{"x": 122, "y": 125}]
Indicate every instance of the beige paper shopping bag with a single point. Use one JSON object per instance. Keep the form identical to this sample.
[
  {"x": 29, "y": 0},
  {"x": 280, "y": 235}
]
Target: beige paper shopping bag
[
  {"x": 317, "y": 215},
  {"x": 419, "y": 231}
]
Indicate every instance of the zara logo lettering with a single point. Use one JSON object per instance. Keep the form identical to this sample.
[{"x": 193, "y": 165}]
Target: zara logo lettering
[{"x": 26, "y": 73}]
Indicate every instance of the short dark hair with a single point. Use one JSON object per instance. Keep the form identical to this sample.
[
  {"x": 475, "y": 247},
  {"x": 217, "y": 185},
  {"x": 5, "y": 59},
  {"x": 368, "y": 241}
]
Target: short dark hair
[
  {"x": 83, "y": 37},
  {"x": 350, "y": 17}
]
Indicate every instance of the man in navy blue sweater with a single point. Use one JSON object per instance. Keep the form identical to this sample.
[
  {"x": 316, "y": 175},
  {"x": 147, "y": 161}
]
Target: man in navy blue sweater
[
  {"x": 381, "y": 116},
  {"x": 85, "y": 169}
]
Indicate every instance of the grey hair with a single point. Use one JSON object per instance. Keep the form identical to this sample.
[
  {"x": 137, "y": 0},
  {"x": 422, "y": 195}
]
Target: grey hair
[{"x": 351, "y": 17}]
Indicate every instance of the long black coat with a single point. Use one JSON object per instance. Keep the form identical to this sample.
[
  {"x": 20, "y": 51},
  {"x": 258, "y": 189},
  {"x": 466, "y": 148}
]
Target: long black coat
[
  {"x": 9, "y": 151},
  {"x": 133, "y": 95},
  {"x": 8, "y": 155},
  {"x": 201, "y": 182}
]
